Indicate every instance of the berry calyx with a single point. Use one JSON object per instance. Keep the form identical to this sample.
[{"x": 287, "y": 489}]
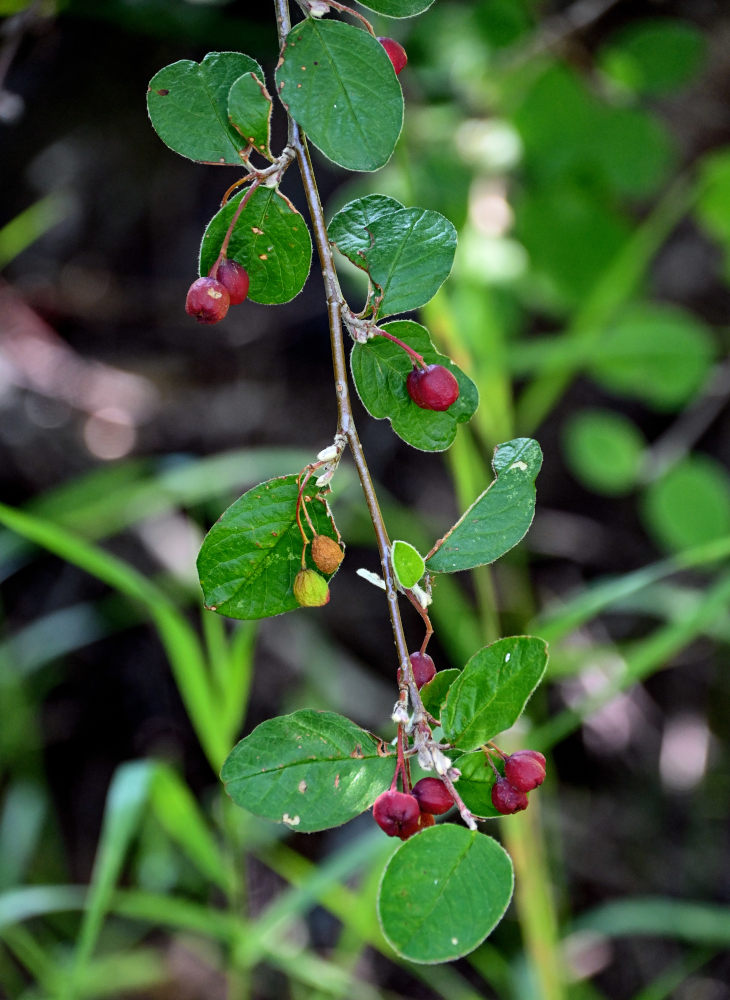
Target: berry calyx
[
  {"x": 432, "y": 388},
  {"x": 525, "y": 769},
  {"x": 426, "y": 819},
  {"x": 396, "y": 53},
  {"x": 506, "y": 798},
  {"x": 235, "y": 280},
  {"x": 397, "y": 813},
  {"x": 326, "y": 553},
  {"x": 310, "y": 589},
  {"x": 424, "y": 669},
  {"x": 208, "y": 300},
  {"x": 433, "y": 796}
]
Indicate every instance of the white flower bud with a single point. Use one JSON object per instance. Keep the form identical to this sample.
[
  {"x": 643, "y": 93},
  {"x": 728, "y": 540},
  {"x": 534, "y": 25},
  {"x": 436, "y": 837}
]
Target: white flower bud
[
  {"x": 318, "y": 8},
  {"x": 327, "y": 454},
  {"x": 440, "y": 761},
  {"x": 399, "y": 714}
]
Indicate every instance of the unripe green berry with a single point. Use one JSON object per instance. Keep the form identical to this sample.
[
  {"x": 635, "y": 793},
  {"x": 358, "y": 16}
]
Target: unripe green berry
[{"x": 310, "y": 589}]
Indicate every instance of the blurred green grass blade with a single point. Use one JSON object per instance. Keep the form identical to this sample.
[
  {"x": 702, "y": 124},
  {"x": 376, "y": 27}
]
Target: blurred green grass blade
[
  {"x": 126, "y": 801},
  {"x": 123, "y": 974},
  {"x": 666, "y": 984},
  {"x": 695, "y": 923},
  {"x": 617, "y": 286},
  {"x": 590, "y": 602},
  {"x": 179, "y": 639},
  {"x": 642, "y": 659},
  {"x": 32, "y": 956},
  {"x": 24, "y": 811},
  {"x": 181, "y": 818},
  {"x": 234, "y": 690},
  {"x": 32, "y": 223},
  {"x": 27, "y": 902}
]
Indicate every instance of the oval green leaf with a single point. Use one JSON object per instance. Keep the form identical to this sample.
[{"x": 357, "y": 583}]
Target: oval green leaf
[
  {"x": 252, "y": 554},
  {"x": 475, "y": 784},
  {"x": 309, "y": 770},
  {"x": 434, "y": 693},
  {"x": 690, "y": 505},
  {"x": 271, "y": 240},
  {"x": 349, "y": 229},
  {"x": 491, "y": 692},
  {"x": 499, "y": 518},
  {"x": 603, "y": 450},
  {"x": 408, "y": 564},
  {"x": 380, "y": 369},
  {"x": 188, "y": 106},
  {"x": 408, "y": 252},
  {"x": 397, "y": 8},
  {"x": 249, "y": 111},
  {"x": 338, "y": 83},
  {"x": 443, "y": 892}
]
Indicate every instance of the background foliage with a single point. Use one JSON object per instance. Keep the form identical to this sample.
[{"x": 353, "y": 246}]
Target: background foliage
[{"x": 582, "y": 154}]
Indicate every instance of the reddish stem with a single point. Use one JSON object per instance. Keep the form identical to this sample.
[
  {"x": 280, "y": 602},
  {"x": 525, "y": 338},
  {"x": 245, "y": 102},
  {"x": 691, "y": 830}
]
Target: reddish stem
[
  {"x": 415, "y": 357},
  {"x": 213, "y": 273}
]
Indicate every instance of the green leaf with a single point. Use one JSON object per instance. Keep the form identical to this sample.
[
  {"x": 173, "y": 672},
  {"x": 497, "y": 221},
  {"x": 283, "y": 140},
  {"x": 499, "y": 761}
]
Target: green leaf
[
  {"x": 713, "y": 201},
  {"x": 476, "y": 782},
  {"x": 658, "y": 354},
  {"x": 408, "y": 564},
  {"x": 603, "y": 450},
  {"x": 338, "y": 83},
  {"x": 397, "y": 8},
  {"x": 654, "y": 56},
  {"x": 271, "y": 240},
  {"x": 380, "y": 369},
  {"x": 188, "y": 106},
  {"x": 249, "y": 111},
  {"x": 690, "y": 505},
  {"x": 349, "y": 229},
  {"x": 408, "y": 252},
  {"x": 252, "y": 554},
  {"x": 499, "y": 518},
  {"x": 310, "y": 770},
  {"x": 442, "y": 893},
  {"x": 434, "y": 693},
  {"x": 491, "y": 692}
]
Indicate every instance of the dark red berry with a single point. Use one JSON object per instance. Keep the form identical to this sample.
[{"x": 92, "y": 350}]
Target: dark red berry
[
  {"x": 426, "y": 819},
  {"x": 424, "y": 669},
  {"x": 235, "y": 279},
  {"x": 432, "y": 388},
  {"x": 207, "y": 300},
  {"x": 506, "y": 798},
  {"x": 397, "y": 813},
  {"x": 525, "y": 769},
  {"x": 396, "y": 53},
  {"x": 433, "y": 796}
]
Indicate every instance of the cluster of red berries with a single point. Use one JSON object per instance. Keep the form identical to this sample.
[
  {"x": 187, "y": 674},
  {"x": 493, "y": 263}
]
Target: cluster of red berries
[
  {"x": 523, "y": 771},
  {"x": 401, "y": 814},
  {"x": 208, "y": 298}
]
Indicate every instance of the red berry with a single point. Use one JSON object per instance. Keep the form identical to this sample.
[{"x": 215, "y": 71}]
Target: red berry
[
  {"x": 424, "y": 669},
  {"x": 433, "y": 796},
  {"x": 235, "y": 279},
  {"x": 506, "y": 798},
  {"x": 432, "y": 388},
  {"x": 525, "y": 769},
  {"x": 425, "y": 819},
  {"x": 397, "y": 813},
  {"x": 396, "y": 53},
  {"x": 207, "y": 300}
]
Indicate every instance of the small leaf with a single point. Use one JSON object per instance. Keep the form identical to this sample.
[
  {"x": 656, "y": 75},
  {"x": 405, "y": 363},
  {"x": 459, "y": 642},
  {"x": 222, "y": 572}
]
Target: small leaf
[
  {"x": 408, "y": 252},
  {"x": 475, "y": 784},
  {"x": 658, "y": 354},
  {"x": 690, "y": 505},
  {"x": 408, "y": 564},
  {"x": 338, "y": 83},
  {"x": 397, "y": 8},
  {"x": 380, "y": 369},
  {"x": 249, "y": 111},
  {"x": 604, "y": 451},
  {"x": 433, "y": 694},
  {"x": 188, "y": 106},
  {"x": 271, "y": 240},
  {"x": 654, "y": 56},
  {"x": 442, "y": 893},
  {"x": 491, "y": 692},
  {"x": 349, "y": 229},
  {"x": 252, "y": 554},
  {"x": 499, "y": 518},
  {"x": 309, "y": 770}
]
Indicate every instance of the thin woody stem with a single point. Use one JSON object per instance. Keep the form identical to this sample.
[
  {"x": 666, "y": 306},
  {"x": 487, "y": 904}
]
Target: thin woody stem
[{"x": 213, "y": 273}]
